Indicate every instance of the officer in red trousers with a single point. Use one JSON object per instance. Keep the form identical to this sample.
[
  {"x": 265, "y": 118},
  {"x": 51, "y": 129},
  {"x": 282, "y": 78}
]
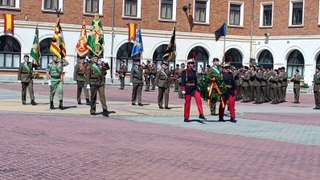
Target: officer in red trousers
[
  {"x": 229, "y": 97},
  {"x": 189, "y": 87}
]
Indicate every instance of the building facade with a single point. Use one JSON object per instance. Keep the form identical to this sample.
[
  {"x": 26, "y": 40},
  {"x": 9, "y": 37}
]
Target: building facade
[{"x": 271, "y": 33}]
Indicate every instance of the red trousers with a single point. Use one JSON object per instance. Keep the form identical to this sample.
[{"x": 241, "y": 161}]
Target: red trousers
[
  {"x": 231, "y": 101},
  {"x": 187, "y": 104}
]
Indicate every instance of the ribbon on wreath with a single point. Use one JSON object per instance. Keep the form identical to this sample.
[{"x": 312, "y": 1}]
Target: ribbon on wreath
[{"x": 215, "y": 86}]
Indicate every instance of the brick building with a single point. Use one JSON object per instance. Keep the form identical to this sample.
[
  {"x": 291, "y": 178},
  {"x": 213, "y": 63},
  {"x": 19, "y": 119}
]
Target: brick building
[{"x": 272, "y": 33}]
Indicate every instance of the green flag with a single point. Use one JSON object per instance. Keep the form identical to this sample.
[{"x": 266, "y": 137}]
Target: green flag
[
  {"x": 35, "y": 50},
  {"x": 96, "y": 39}
]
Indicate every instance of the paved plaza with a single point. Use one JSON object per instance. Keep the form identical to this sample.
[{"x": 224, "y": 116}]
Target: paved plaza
[{"x": 143, "y": 143}]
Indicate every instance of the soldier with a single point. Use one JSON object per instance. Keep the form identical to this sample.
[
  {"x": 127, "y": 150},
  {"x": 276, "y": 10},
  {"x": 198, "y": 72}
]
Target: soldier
[
  {"x": 179, "y": 81},
  {"x": 230, "y": 95},
  {"x": 79, "y": 75},
  {"x": 153, "y": 72},
  {"x": 175, "y": 77},
  {"x": 217, "y": 71},
  {"x": 146, "y": 73},
  {"x": 257, "y": 85},
  {"x": 162, "y": 81},
  {"x": 95, "y": 78},
  {"x": 316, "y": 88},
  {"x": 274, "y": 87},
  {"x": 264, "y": 81},
  {"x": 296, "y": 85},
  {"x": 189, "y": 87},
  {"x": 246, "y": 91},
  {"x": 280, "y": 79},
  {"x": 55, "y": 79},
  {"x": 122, "y": 73},
  {"x": 25, "y": 75},
  {"x": 137, "y": 82},
  {"x": 284, "y": 83}
]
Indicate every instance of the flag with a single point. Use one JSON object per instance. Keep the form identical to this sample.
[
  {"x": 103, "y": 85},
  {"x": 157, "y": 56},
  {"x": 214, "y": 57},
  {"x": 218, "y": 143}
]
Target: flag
[
  {"x": 221, "y": 31},
  {"x": 9, "y": 23},
  {"x": 82, "y": 45},
  {"x": 137, "y": 46},
  {"x": 96, "y": 39},
  {"x": 132, "y": 29},
  {"x": 58, "y": 47},
  {"x": 170, "y": 53},
  {"x": 35, "y": 50}
]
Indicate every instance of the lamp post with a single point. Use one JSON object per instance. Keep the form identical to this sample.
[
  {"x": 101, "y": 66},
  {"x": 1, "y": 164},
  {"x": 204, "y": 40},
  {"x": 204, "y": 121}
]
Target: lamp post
[
  {"x": 112, "y": 38},
  {"x": 252, "y": 59}
]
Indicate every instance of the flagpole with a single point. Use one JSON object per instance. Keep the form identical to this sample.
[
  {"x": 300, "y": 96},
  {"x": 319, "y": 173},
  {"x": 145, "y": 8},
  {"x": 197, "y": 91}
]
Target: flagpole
[{"x": 224, "y": 49}]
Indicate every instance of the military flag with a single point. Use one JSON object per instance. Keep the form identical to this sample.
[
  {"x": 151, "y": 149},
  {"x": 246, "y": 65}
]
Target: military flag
[
  {"x": 137, "y": 46},
  {"x": 170, "y": 53},
  {"x": 132, "y": 29},
  {"x": 58, "y": 47},
  {"x": 96, "y": 38},
  {"x": 221, "y": 31},
  {"x": 8, "y": 23},
  {"x": 35, "y": 50},
  {"x": 82, "y": 45}
]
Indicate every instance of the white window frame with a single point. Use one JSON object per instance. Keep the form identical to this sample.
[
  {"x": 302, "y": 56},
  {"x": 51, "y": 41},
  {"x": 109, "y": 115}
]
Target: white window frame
[
  {"x": 174, "y": 11},
  {"x": 207, "y": 12},
  {"x": 49, "y": 10},
  {"x": 138, "y": 10},
  {"x": 262, "y": 10},
  {"x": 16, "y": 6},
  {"x": 290, "y": 12},
  {"x": 241, "y": 13},
  {"x": 100, "y": 8}
]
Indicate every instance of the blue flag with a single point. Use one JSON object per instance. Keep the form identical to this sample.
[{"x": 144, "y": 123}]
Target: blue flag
[
  {"x": 221, "y": 31},
  {"x": 137, "y": 46}
]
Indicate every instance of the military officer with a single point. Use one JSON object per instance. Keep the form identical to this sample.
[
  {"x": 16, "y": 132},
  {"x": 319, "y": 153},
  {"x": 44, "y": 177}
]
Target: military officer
[
  {"x": 55, "y": 80},
  {"x": 189, "y": 87},
  {"x": 95, "y": 78},
  {"x": 216, "y": 69},
  {"x": 179, "y": 80},
  {"x": 146, "y": 73},
  {"x": 79, "y": 75},
  {"x": 137, "y": 82},
  {"x": 162, "y": 81},
  {"x": 25, "y": 75},
  {"x": 153, "y": 72},
  {"x": 296, "y": 85},
  {"x": 176, "y": 76},
  {"x": 316, "y": 88},
  {"x": 122, "y": 73},
  {"x": 284, "y": 75}
]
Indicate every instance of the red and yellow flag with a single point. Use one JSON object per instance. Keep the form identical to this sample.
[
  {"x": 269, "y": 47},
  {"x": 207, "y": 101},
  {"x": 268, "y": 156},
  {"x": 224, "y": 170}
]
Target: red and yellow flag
[
  {"x": 58, "y": 46},
  {"x": 132, "y": 31},
  {"x": 8, "y": 23},
  {"x": 82, "y": 45}
]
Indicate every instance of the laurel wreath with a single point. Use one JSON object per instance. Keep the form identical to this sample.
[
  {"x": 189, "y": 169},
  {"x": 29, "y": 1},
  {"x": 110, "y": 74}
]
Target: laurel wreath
[{"x": 204, "y": 84}]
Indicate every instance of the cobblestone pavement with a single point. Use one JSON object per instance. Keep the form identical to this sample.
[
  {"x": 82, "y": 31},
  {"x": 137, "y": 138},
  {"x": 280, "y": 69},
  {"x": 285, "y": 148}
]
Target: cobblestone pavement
[{"x": 268, "y": 142}]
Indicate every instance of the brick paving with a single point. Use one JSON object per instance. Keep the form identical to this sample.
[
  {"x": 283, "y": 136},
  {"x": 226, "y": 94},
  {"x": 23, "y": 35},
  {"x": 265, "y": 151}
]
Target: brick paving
[{"x": 269, "y": 141}]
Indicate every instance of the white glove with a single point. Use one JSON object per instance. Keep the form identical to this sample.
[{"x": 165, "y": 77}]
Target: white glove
[
  {"x": 130, "y": 84},
  {"x": 88, "y": 86},
  {"x": 49, "y": 82},
  {"x": 183, "y": 92}
]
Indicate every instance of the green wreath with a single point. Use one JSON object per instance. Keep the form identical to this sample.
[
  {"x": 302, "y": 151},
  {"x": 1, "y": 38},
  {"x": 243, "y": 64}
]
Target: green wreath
[{"x": 205, "y": 82}]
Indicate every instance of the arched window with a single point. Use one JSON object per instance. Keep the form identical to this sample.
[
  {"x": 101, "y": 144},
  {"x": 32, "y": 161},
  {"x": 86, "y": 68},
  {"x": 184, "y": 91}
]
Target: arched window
[
  {"x": 295, "y": 61},
  {"x": 10, "y": 52},
  {"x": 201, "y": 57},
  {"x": 318, "y": 61},
  {"x": 265, "y": 59},
  {"x": 124, "y": 54},
  {"x": 234, "y": 56},
  {"x": 46, "y": 55},
  {"x": 158, "y": 54}
]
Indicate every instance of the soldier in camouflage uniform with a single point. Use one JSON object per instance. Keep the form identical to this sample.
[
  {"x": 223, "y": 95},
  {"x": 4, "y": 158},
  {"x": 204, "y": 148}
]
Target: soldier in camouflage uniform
[
  {"x": 79, "y": 75},
  {"x": 95, "y": 77},
  {"x": 55, "y": 80},
  {"x": 146, "y": 73},
  {"x": 25, "y": 75},
  {"x": 122, "y": 73},
  {"x": 153, "y": 72}
]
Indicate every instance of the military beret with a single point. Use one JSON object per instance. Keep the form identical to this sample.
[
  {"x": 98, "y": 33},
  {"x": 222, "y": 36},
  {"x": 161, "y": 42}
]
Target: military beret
[
  {"x": 215, "y": 59},
  {"x": 136, "y": 60}
]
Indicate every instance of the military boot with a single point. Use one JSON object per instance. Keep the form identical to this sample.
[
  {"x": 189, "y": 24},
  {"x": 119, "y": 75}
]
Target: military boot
[
  {"x": 24, "y": 102},
  {"x": 87, "y": 102},
  {"x": 105, "y": 113},
  {"x": 33, "y": 103},
  {"x": 61, "y": 104},
  {"x": 51, "y": 105}
]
